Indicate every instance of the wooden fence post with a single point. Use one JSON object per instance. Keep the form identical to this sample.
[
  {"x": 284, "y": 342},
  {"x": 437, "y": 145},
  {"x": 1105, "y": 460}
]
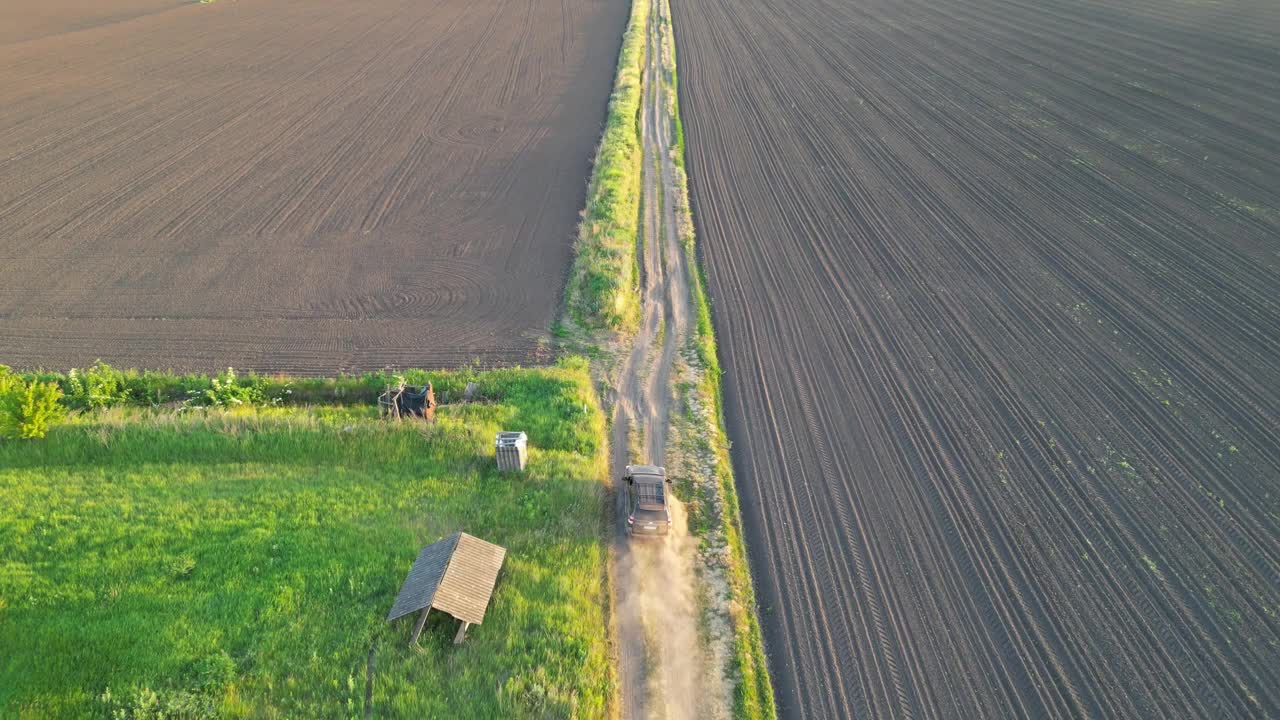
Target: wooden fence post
[{"x": 417, "y": 629}]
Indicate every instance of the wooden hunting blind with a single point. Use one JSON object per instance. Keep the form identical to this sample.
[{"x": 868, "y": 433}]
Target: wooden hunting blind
[{"x": 455, "y": 575}]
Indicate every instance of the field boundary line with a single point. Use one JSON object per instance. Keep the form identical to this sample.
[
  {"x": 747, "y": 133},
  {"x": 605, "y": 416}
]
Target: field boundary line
[
  {"x": 604, "y": 280},
  {"x": 601, "y": 319},
  {"x": 753, "y": 689}
]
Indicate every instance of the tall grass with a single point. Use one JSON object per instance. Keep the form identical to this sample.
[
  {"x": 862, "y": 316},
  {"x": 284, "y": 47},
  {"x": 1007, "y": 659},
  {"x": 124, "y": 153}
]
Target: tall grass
[
  {"x": 155, "y": 387},
  {"x": 753, "y": 693},
  {"x": 604, "y": 284},
  {"x": 243, "y": 561}
]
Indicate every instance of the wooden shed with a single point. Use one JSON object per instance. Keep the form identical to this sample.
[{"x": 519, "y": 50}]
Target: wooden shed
[{"x": 455, "y": 575}]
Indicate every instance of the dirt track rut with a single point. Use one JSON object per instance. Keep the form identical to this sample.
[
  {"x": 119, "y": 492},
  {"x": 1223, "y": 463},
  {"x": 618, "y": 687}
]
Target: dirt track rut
[
  {"x": 997, "y": 286},
  {"x": 661, "y": 664}
]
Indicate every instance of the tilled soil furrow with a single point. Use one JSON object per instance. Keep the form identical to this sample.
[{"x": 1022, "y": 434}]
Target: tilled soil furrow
[
  {"x": 364, "y": 185},
  {"x": 996, "y": 289}
]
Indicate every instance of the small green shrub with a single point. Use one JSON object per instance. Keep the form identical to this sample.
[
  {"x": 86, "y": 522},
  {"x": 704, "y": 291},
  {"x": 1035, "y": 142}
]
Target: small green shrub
[
  {"x": 28, "y": 409},
  {"x": 225, "y": 390},
  {"x": 213, "y": 673},
  {"x": 95, "y": 387},
  {"x": 143, "y": 703}
]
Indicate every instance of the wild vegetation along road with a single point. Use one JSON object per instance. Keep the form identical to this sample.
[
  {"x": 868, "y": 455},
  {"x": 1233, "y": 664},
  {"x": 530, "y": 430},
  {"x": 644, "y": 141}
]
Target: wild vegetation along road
[
  {"x": 997, "y": 285},
  {"x": 664, "y": 670},
  {"x": 304, "y": 186}
]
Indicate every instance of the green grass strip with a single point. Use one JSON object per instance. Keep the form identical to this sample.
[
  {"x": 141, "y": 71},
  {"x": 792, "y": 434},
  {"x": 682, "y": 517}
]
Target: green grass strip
[
  {"x": 604, "y": 284},
  {"x": 239, "y": 563},
  {"x": 753, "y": 694}
]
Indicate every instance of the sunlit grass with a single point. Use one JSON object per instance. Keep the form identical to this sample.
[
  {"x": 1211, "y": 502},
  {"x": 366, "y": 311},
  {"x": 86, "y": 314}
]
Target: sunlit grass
[{"x": 139, "y": 546}]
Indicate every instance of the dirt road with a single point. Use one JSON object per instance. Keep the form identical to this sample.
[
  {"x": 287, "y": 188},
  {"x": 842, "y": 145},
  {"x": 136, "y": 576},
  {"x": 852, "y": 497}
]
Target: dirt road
[
  {"x": 997, "y": 286},
  {"x": 299, "y": 186},
  {"x": 662, "y": 667}
]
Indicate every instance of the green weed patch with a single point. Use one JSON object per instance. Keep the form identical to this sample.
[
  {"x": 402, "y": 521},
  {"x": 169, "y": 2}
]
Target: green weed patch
[{"x": 603, "y": 290}]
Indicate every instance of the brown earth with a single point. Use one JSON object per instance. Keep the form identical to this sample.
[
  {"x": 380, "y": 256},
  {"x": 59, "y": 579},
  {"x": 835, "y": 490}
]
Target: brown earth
[
  {"x": 664, "y": 669},
  {"x": 22, "y": 20},
  {"x": 293, "y": 185},
  {"x": 997, "y": 285}
]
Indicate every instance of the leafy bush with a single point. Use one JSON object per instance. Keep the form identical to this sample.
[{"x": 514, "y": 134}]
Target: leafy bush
[
  {"x": 226, "y": 391},
  {"x": 28, "y": 409},
  {"x": 95, "y": 387},
  {"x": 158, "y": 387}
]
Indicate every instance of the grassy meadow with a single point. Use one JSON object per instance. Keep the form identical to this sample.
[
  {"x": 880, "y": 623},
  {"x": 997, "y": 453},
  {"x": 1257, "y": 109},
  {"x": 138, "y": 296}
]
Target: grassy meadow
[{"x": 239, "y": 563}]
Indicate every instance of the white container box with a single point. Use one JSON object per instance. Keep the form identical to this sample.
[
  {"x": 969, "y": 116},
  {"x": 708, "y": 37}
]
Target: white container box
[{"x": 512, "y": 450}]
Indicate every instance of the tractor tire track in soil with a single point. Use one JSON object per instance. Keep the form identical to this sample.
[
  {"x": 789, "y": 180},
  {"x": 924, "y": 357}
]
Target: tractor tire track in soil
[
  {"x": 997, "y": 287},
  {"x": 663, "y": 668},
  {"x": 302, "y": 187}
]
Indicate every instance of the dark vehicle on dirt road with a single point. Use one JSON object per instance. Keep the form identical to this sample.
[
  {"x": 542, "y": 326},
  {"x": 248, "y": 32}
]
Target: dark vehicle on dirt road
[{"x": 647, "y": 511}]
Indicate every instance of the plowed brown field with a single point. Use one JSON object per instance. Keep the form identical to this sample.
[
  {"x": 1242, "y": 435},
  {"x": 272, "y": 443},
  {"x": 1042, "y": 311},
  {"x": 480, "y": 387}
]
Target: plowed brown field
[
  {"x": 293, "y": 185},
  {"x": 998, "y": 289}
]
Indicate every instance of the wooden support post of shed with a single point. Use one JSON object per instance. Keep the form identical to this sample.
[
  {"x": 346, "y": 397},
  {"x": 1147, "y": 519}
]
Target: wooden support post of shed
[
  {"x": 462, "y": 632},
  {"x": 417, "y": 628}
]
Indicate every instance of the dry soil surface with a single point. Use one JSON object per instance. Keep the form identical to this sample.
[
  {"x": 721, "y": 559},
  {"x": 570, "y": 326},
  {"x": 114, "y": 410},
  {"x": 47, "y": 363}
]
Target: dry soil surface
[
  {"x": 663, "y": 668},
  {"x": 293, "y": 185},
  {"x": 997, "y": 284}
]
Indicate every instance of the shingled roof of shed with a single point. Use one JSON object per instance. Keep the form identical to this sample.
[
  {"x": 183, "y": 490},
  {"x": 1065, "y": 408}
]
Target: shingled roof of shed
[{"x": 455, "y": 575}]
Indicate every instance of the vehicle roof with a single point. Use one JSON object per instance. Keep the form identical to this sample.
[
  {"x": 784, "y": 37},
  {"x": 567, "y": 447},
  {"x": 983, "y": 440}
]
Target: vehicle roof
[
  {"x": 651, "y": 470},
  {"x": 651, "y": 496}
]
